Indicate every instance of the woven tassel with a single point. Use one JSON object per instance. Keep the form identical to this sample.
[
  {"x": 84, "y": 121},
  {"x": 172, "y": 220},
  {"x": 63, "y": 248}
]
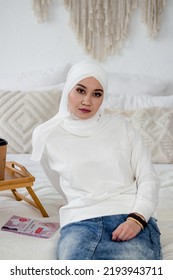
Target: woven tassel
[
  {"x": 40, "y": 8},
  {"x": 151, "y": 15}
]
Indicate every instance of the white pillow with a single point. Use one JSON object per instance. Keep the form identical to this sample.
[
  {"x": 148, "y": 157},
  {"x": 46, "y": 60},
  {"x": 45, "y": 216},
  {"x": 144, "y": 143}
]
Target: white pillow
[
  {"x": 130, "y": 84},
  {"x": 22, "y": 111},
  {"x": 155, "y": 125},
  {"x": 124, "y": 102},
  {"x": 36, "y": 79}
]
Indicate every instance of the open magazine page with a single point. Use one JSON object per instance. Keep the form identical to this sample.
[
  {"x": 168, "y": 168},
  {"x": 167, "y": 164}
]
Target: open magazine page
[{"x": 30, "y": 227}]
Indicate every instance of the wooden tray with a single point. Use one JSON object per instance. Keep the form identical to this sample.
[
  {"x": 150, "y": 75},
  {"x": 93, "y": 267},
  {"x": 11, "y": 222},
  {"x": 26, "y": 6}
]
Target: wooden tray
[{"x": 16, "y": 174}]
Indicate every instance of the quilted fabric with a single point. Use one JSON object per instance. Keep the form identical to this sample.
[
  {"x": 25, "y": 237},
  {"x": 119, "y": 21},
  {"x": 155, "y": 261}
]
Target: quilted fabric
[
  {"x": 155, "y": 125},
  {"x": 127, "y": 102},
  {"x": 34, "y": 79},
  {"x": 21, "y": 112},
  {"x": 131, "y": 84}
]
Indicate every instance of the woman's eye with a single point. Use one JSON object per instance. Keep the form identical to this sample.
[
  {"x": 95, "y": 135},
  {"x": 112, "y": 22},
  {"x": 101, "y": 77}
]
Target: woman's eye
[
  {"x": 80, "y": 90},
  {"x": 97, "y": 94}
]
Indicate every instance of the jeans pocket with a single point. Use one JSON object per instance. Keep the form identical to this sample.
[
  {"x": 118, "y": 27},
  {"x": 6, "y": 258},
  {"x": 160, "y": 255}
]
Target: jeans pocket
[
  {"x": 154, "y": 233},
  {"x": 152, "y": 223}
]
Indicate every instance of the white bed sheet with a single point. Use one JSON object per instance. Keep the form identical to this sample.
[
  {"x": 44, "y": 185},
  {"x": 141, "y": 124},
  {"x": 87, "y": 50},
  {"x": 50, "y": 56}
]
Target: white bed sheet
[
  {"x": 165, "y": 208},
  {"x": 20, "y": 247},
  {"x": 15, "y": 246}
]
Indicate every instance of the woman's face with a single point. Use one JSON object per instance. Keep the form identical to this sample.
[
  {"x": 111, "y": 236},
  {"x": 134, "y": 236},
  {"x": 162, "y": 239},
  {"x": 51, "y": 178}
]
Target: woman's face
[{"x": 85, "y": 98}]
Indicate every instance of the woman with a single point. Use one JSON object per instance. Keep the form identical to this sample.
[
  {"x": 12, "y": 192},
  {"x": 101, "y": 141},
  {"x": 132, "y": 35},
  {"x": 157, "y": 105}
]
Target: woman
[{"x": 105, "y": 173}]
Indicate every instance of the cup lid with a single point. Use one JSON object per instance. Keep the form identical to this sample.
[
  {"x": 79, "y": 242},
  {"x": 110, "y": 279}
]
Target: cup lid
[{"x": 3, "y": 142}]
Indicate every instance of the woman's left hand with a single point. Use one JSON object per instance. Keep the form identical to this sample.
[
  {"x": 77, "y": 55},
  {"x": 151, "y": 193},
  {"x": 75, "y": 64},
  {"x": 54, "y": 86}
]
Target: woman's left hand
[{"x": 126, "y": 231}]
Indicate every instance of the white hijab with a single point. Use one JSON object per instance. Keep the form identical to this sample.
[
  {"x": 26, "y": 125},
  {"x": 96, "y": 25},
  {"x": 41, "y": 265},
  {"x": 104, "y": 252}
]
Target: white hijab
[{"x": 77, "y": 73}]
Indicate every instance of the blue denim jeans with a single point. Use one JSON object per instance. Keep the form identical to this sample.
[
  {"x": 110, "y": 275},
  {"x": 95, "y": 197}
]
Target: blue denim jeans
[{"x": 91, "y": 240}]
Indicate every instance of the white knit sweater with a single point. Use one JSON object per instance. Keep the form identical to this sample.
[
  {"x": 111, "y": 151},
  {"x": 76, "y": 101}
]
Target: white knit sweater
[{"x": 105, "y": 173}]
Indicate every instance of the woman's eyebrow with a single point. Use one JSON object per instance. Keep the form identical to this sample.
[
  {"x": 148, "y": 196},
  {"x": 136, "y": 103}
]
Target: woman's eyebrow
[
  {"x": 86, "y": 87},
  {"x": 99, "y": 89},
  {"x": 81, "y": 85}
]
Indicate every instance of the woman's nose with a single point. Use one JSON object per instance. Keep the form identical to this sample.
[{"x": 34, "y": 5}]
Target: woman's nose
[{"x": 86, "y": 100}]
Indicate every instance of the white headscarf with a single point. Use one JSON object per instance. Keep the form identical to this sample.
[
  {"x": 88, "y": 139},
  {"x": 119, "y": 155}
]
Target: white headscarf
[{"x": 77, "y": 73}]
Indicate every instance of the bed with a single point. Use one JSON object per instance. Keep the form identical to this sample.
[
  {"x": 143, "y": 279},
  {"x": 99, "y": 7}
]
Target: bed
[{"x": 147, "y": 104}]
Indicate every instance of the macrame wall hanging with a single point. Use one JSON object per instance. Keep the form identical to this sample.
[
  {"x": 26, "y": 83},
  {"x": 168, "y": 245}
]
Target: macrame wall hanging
[
  {"x": 151, "y": 15},
  {"x": 102, "y": 25},
  {"x": 40, "y": 8}
]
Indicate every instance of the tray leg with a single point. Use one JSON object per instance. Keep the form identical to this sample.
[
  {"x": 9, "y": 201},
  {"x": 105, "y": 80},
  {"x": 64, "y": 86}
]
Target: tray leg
[
  {"x": 37, "y": 202},
  {"x": 16, "y": 195}
]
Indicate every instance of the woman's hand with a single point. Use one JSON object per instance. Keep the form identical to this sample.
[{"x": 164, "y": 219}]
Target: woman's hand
[{"x": 126, "y": 231}]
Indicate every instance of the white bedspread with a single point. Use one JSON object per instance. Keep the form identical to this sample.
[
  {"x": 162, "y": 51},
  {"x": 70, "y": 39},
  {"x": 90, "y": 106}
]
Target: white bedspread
[
  {"x": 165, "y": 209},
  {"x": 15, "y": 246}
]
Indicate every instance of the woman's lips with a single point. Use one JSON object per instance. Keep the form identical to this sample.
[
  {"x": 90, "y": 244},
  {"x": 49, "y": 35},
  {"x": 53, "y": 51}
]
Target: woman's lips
[{"x": 83, "y": 110}]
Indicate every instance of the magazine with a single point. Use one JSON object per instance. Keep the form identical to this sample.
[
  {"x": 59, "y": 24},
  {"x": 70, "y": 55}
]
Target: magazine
[{"x": 30, "y": 227}]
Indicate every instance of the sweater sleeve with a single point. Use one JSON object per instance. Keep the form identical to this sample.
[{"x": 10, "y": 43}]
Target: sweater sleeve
[
  {"x": 146, "y": 179},
  {"x": 52, "y": 175}
]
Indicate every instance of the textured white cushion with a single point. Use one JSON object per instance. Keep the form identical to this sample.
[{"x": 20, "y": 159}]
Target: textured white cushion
[
  {"x": 155, "y": 125},
  {"x": 125, "y": 102},
  {"x": 36, "y": 79},
  {"x": 130, "y": 84},
  {"x": 22, "y": 111}
]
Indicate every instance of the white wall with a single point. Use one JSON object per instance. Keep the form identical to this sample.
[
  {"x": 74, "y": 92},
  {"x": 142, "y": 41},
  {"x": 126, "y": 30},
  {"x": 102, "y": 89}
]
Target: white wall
[{"x": 26, "y": 44}]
